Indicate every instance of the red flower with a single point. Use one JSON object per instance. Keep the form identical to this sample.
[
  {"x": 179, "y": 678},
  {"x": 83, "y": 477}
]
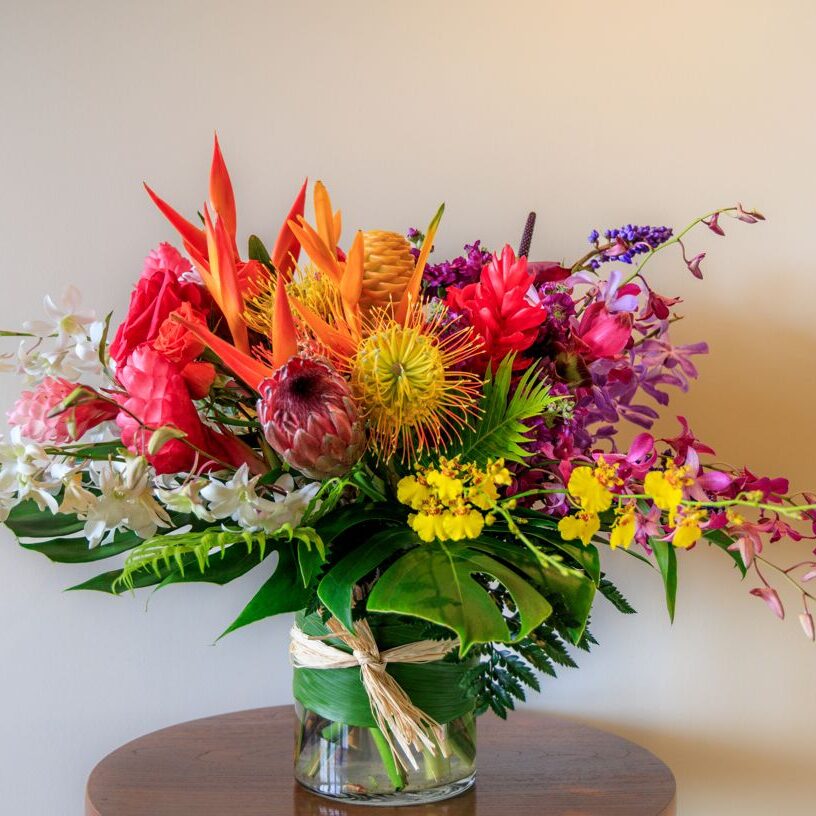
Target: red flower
[
  {"x": 159, "y": 292},
  {"x": 498, "y": 308},
  {"x": 158, "y": 395},
  {"x": 601, "y": 333},
  {"x": 175, "y": 341}
]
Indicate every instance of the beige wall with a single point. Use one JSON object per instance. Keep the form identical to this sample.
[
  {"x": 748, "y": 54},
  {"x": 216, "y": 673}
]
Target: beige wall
[{"x": 592, "y": 113}]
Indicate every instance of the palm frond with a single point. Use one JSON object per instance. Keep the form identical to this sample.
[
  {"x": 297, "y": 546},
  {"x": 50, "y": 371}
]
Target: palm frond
[{"x": 500, "y": 431}]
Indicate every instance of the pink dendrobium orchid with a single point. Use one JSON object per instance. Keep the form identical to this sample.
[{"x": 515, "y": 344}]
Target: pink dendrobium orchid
[
  {"x": 601, "y": 334},
  {"x": 772, "y": 600}
]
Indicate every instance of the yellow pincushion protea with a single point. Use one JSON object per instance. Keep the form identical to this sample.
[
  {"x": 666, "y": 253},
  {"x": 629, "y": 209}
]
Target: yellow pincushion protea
[
  {"x": 387, "y": 268},
  {"x": 308, "y": 286},
  {"x": 406, "y": 379}
]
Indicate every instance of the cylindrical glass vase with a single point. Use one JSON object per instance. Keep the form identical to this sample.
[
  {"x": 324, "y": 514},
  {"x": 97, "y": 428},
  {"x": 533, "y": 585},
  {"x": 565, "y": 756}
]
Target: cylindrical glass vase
[{"x": 355, "y": 763}]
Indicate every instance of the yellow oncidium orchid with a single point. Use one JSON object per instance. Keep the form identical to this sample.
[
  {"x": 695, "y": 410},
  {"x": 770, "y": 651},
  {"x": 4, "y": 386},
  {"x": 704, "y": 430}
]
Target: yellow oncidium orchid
[
  {"x": 449, "y": 498},
  {"x": 623, "y": 533},
  {"x": 582, "y": 525},
  {"x": 665, "y": 487},
  {"x": 590, "y": 486},
  {"x": 687, "y": 527}
]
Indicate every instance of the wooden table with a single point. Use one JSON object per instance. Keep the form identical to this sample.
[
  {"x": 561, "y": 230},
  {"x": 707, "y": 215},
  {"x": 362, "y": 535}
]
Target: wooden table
[{"x": 241, "y": 765}]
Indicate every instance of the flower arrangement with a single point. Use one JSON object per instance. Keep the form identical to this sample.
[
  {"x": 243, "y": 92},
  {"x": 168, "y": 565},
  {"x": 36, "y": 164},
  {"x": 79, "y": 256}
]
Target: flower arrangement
[{"x": 429, "y": 448}]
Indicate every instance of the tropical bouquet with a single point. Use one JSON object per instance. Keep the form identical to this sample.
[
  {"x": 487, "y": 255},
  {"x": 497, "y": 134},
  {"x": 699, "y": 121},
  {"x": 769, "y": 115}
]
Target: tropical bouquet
[{"x": 426, "y": 449}]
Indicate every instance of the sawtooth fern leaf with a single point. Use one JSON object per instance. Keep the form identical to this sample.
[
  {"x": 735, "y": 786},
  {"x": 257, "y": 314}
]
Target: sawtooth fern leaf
[
  {"x": 500, "y": 431},
  {"x": 198, "y": 548}
]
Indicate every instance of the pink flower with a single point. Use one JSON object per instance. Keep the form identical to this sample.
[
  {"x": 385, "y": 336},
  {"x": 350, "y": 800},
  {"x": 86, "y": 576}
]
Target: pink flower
[
  {"x": 771, "y": 598},
  {"x": 157, "y": 395},
  {"x": 601, "y": 333},
  {"x": 31, "y": 412}
]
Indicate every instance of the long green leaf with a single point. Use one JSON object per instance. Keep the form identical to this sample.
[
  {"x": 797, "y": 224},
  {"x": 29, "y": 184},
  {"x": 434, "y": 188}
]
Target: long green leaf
[
  {"x": 26, "y": 520},
  {"x": 77, "y": 551},
  {"x": 281, "y": 593},
  {"x": 666, "y": 559}
]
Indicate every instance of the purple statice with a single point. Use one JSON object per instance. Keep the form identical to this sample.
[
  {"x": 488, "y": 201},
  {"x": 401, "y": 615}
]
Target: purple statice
[
  {"x": 624, "y": 243},
  {"x": 457, "y": 272}
]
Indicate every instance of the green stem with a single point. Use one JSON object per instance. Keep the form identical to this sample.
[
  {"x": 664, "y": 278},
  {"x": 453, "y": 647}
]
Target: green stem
[
  {"x": 674, "y": 240},
  {"x": 389, "y": 761}
]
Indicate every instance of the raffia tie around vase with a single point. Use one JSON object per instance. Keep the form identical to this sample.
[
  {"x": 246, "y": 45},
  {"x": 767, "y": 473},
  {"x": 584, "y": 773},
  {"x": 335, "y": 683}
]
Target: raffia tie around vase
[{"x": 396, "y": 716}]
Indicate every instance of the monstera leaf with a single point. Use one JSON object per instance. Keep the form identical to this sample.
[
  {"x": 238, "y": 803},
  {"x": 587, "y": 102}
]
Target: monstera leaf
[{"x": 437, "y": 582}]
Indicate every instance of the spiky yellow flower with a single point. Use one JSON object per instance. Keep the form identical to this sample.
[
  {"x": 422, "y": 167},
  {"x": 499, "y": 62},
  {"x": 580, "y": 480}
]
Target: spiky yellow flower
[
  {"x": 407, "y": 381},
  {"x": 308, "y": 286}
]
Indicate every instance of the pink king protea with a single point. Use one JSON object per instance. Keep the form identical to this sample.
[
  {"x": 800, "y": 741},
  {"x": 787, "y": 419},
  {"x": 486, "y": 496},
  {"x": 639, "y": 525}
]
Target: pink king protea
[{"x": 310, "y": 419}]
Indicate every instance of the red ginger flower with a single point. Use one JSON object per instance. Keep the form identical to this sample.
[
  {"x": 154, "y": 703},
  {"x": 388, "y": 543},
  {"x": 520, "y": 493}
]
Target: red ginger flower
[
  {"x": 309, "y": 417},
  {"x": 157, "y": 395},
  {"x": 498, "y": 307},
  {"x": 31, "y": 412},
  {"x": 160, "y": 291}
]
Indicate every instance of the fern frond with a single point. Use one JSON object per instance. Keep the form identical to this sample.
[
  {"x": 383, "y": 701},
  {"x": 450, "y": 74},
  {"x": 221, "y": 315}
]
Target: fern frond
[
  {"x": 500, "y": 431},
  {"x": 615, "y": 597}
]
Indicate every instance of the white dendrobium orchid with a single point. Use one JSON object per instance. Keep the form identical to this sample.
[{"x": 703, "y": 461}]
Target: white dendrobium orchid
[
  {"x": 184, "y": 497},
  {"x": 125, "y": 500},
  {"x": 64, "y": 320},
  {"x": 66, "y": 344},
  {"x": 237, "y": 499},
  {"x": 24, "y": 474}
]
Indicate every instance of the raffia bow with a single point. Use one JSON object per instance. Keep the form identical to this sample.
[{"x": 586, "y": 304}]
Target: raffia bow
[{"x": 396, "y": 716}]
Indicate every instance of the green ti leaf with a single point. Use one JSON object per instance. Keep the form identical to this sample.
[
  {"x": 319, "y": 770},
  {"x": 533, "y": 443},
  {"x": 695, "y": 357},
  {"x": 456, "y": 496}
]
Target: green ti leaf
[
  {"x": 278, "y": 595},
  {"x": 500, "y": 431}
]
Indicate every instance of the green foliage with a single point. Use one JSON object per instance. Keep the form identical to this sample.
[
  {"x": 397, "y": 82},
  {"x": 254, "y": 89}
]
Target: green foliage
[
  {"x": 336, "y": 589},
  {"x": 27, "y": 520},
  {"x": 666, "y": 558},
  {"x": 177, "y": 553},
  {"x": 256, "y": 251},
  {"x": 722, "y": 540},
  {"x": 500, "y": 431},
  {"x": 279, "y": 594},
  {"x": 439, "y": 583},
  {"x": 77, "y": 551},
  {"x": 615, "y": 597}
]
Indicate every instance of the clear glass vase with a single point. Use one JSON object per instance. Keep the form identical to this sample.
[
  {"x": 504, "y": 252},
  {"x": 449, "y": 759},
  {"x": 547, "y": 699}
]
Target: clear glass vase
[{"x": 355, "y": 763}]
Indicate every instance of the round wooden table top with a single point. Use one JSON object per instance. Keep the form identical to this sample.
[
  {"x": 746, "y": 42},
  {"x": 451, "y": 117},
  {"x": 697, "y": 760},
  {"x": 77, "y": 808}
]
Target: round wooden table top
[{"x": 241, "y": 765}]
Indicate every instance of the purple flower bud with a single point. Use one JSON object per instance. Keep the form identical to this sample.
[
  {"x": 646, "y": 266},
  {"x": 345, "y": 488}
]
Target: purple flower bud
[
  {"x": 749, "y": 216},
  {"x": 713, "y": 224},
  {"x": 694, "y": 265},
  {"x": 771, "y": 598}
]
